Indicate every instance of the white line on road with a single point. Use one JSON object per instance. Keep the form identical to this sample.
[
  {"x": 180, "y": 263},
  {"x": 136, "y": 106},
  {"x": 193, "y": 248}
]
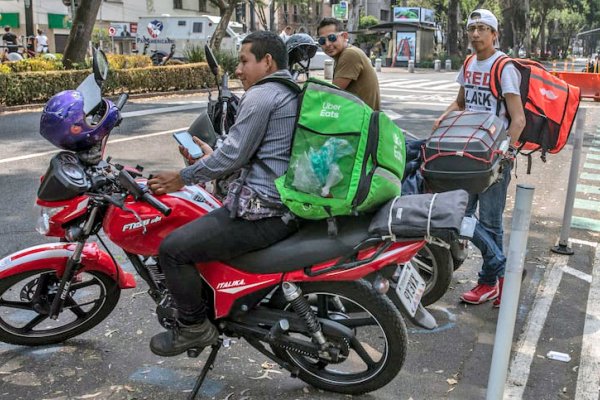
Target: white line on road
[
  {"x": 525, "y": 350},
  {"x": 584, "y": 243},
  {"x": 578, "y": 274},
  {"x": 588, "y": 378},
  {"x": 126, "y": 139},
  {"x": 163, "y": 110}
]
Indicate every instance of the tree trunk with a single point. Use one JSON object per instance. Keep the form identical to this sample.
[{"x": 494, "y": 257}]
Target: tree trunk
[
  {"x": 543, "y": 36},
  {"x": 527, "y": 39},
  {"x": 220, "y": 31},
  {"x": 452, "y": 40},
  {"x": 81, "y": 32},
  {"x": 507, "y": 34}
]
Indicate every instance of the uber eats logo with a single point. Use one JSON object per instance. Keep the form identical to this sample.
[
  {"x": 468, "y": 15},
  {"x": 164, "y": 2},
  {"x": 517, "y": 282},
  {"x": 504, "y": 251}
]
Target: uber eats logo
[{"x": 330, "y": 110}]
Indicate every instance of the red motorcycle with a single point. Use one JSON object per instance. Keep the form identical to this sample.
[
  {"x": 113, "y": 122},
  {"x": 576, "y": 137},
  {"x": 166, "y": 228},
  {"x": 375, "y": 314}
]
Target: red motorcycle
[{"x": 302, "y": 302}]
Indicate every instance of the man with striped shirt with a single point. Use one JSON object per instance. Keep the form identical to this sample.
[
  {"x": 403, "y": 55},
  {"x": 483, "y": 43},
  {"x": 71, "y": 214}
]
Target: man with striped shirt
[{"x": 253, "y": 216}]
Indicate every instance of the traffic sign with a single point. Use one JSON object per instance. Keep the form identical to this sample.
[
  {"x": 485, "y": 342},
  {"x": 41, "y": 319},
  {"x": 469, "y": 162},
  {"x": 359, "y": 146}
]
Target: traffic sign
[{"x": 112, "y": 31}]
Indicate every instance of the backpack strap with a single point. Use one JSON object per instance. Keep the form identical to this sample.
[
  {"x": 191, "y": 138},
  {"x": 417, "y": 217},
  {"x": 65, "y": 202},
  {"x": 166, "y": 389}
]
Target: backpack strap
[
  {"x": 496, "y": 80},
  {"x": 287, "y": 82}
]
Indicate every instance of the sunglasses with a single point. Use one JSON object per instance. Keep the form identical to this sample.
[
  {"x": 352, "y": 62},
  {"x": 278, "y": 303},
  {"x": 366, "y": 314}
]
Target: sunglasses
[{"x": 332, "y": 37}]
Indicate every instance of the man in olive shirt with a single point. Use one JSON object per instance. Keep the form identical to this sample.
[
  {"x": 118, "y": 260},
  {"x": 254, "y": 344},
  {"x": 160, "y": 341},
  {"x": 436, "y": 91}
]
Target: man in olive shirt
[{"x": 353, "y": 70}]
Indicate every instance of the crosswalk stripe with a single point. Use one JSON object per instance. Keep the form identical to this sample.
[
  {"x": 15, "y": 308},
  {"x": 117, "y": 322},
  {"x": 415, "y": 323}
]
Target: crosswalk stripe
[
  {"x": 590, "y": 177},
  {"x": 594, "y": 149},
  {"x": 591, "y": 166},
  {"x": 587, "y": 204},
  {"x": 585, "y": 224},
  {"x": 588, "y": 189},
  {"x": 593, "y": 157}
]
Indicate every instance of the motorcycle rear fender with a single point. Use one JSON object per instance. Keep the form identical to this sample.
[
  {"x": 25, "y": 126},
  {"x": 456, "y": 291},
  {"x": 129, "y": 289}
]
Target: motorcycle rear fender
[{"x": 55, "y": 255}]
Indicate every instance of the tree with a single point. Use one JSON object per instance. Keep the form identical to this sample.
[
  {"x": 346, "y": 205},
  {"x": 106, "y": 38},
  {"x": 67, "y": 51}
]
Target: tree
[
  {"x": 81, "y": 32},
  {"x": 226, "y": 10}
]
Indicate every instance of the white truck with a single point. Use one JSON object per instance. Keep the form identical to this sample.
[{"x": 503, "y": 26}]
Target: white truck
[{"x": 159, "y": 33}]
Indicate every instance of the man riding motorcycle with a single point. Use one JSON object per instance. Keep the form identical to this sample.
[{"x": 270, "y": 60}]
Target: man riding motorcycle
[{"x": 253, "y": 216}]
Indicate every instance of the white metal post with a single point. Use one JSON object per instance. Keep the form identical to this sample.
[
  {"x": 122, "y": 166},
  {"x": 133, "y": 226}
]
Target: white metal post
[
  {"x": 563, "y": 241},
  {"x": 510, "y": 292}
]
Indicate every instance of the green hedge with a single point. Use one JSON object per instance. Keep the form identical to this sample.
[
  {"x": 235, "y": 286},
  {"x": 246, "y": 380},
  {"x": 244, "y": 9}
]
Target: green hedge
[{"x": 37, "y": 87}]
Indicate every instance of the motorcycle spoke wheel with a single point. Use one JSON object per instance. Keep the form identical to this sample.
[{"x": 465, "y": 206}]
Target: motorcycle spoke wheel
[
  {"x": 24, "y": 306},
  {"x": 368, "y": 359}
]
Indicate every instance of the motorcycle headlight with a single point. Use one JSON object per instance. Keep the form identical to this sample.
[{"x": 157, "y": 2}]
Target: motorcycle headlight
[{"x": 43, "y": 217}]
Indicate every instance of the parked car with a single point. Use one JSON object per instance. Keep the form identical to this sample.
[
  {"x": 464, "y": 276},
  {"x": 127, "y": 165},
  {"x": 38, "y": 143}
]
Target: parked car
[{"x": 318, "y": 61}]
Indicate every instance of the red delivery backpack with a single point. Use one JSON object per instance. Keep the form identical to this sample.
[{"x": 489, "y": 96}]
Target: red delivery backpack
[{"x": 550, "y": 105}]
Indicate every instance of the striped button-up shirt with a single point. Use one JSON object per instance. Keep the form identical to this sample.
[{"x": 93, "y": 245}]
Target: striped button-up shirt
[{"x": 263, "y": 130}]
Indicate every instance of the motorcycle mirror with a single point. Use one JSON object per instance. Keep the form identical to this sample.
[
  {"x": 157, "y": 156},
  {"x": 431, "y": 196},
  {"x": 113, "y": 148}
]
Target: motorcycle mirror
[
  {"x": 211, "y": 60},
  {"x": 100, "y": 66}
]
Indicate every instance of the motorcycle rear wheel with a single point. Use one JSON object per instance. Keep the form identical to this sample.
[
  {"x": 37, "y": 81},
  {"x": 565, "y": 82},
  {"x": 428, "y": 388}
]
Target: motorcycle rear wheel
[
  {"x": 434, "y": 264},
  {"x": 378, "y": 326},
  {"x": 24, "y": 309}
]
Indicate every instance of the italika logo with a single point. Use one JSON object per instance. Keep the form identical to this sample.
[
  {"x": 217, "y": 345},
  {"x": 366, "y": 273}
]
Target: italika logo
[{"x": 155, "y": 28}]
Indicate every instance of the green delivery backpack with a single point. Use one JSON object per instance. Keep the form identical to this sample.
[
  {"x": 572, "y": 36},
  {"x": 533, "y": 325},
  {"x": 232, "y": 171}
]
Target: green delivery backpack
[{"x": 345, "y": 159}]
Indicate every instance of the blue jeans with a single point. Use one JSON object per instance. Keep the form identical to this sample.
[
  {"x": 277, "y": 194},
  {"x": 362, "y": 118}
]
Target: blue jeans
[{"x": 489, "y": 233}]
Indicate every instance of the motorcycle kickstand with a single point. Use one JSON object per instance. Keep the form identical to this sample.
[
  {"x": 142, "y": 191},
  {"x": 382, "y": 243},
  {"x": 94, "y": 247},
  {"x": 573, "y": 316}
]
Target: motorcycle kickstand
[{"x": 209, "y": 365}]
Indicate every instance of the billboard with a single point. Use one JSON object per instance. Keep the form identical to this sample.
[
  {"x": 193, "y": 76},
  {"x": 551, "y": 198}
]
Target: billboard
[
  {"x": 427, "y": 16},
  {"x": 406, "y": 45},
  {"x": 122, "y": 29},
  {"x": 340, "y": 10},
  {"x": 407, "y": 14}
]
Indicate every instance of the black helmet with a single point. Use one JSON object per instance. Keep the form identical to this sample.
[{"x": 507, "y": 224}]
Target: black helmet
[{"x": 300, "y": 47}]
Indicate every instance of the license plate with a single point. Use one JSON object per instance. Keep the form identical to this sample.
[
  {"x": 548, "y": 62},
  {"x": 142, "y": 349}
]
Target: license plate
[{"x": 410, "y": 288}]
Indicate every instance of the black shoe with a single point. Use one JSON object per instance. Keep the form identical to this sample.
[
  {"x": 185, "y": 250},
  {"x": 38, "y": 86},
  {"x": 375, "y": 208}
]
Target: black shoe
[{"x": 176, "y": 341}]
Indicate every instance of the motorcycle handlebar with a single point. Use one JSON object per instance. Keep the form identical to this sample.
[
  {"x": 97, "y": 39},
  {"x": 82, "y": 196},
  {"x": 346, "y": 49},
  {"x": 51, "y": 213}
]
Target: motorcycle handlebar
[
  {"x": 122, "y": 100},
  {"x": 154, "y": 202}
]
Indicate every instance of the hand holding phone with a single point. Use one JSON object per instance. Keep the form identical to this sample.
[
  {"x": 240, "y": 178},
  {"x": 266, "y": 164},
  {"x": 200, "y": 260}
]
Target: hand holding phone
[{"x": 186, "y": 140}]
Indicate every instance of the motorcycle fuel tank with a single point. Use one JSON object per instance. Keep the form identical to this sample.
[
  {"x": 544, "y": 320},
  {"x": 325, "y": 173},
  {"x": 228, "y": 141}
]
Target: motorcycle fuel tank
[{"x": 143, "y": 235}]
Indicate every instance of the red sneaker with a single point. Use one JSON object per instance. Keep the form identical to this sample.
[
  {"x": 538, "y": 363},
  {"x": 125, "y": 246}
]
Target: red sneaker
[
  {"x": 480, "y": 294},
  {"x": 498, "y": 299}
]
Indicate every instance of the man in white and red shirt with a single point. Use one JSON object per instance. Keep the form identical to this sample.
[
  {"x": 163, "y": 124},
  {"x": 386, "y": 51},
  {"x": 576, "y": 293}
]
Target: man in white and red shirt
[{"x": 475, "y": 95}]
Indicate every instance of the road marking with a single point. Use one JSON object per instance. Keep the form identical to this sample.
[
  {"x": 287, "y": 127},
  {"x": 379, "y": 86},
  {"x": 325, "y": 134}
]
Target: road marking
[
  {"x": 593, "y": 157},
  {"x": 584, "y": 243},
  {"x": 588, "y": 378},
  {"x": 392, "y": 114},
  {"x": 585, "y": 223},
  {"x": 525, "y": 349},
  {"x": 588, "y": 189},
  {"x": 594, "y": 149},
  {"x": 591, "y": 166},
  {"x": 163, "y": 110},
  {"x": 587, "y": 204},
  {"x": 577, "y": 274},
  {"x": 590, "y": 177},
  {"x": 126, "y": 139}
]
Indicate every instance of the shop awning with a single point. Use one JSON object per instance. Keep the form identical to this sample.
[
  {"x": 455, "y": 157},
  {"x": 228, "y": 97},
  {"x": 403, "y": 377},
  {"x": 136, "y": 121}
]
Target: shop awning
[{"x": 10, "y": 19}]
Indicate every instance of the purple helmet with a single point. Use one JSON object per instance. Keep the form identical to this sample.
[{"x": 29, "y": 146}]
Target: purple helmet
[{"x": 64, "y": 125}]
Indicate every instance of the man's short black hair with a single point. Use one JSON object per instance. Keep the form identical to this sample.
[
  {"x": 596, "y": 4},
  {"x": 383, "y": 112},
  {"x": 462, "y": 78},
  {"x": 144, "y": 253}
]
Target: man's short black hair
[
  {"x": 266, "y": 42},
  {"x": 7, "y": 28},
  {"x": 331, "y": 21}
]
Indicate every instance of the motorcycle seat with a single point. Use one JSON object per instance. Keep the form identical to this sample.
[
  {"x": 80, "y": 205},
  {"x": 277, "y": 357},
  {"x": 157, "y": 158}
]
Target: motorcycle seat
[{"x": 309, "y": 246}]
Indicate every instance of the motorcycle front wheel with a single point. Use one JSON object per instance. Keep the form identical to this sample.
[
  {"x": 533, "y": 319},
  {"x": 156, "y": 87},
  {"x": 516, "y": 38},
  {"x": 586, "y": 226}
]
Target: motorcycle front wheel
[
  {"x": 25, "y": 301},
  {"x": 364, "y": 365}
]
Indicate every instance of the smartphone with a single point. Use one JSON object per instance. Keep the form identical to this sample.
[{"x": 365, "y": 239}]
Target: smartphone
[{"x": 185, "y": 139}]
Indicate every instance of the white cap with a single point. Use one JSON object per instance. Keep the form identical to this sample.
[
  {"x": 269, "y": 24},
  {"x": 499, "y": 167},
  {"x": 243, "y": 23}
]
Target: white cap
[{"x": 483, "y": 16}]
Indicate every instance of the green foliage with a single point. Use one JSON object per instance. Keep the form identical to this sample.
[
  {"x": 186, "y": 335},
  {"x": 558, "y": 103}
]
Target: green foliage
[
  {"x": 367, "y": 21},
  {"x": 122, "y": 61},
  {"x": 36, "y": 87},
  {"x": 227, "y": 59},
  {"x": 34, "y": 65},
  {"x": 194, "y": 53}
]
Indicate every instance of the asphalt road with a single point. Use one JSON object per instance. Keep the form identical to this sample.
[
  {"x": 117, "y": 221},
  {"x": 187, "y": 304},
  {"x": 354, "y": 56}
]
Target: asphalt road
[{"x": 113, "y": 360}]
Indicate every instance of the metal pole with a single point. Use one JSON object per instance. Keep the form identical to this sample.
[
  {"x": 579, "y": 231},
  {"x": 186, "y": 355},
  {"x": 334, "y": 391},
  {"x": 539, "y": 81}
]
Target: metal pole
[
  {"x": 411, "y": 66},
  {"x": 563, "y": 242},
  {"x": 328, "y": 69},
  {"x": 437, "y": 65},
  {"x": 510, "y": 292}
]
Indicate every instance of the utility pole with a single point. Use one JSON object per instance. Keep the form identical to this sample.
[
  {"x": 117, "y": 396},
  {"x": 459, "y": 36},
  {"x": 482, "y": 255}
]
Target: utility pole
[
  {"x": 252, "y": 17},
  {"x": 29, "y": 17}
]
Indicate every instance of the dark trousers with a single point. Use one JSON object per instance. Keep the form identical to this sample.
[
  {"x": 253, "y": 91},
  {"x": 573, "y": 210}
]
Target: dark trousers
[{"x": 213, "y": 237}]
